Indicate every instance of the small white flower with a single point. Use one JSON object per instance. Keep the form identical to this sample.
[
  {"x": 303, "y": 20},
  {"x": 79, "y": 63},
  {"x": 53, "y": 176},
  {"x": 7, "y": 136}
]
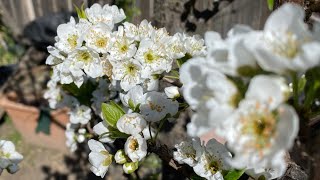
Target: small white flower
[
  {"x": 131, "y": 124},
  {"x": 172, "y": 92},
  {"x": 131, "y": 31},
  {"x": 80, "y": 114},
  {"x": 209, "y": 92},
  {"x": 69, "y": 35},
  {"x": 186, "y": 152},
  {"x": 156, "y": 106},
  {"x": 195, "y": 46},
  {"x": 102, "y": 130},
  {"x": 88, "y": 60},
  {"x": 109, "y": 15},
  {"x": 123, "y": 48},
  {"x": 9, "y": 157},
  {"x": 55, "y": 57},
  {"x": 81, "y": 137},
  {"x": 69, "y": 71},
  {"x": 135, "y": 95},
  {"x": 98, "y": 38},
  {"x": 136, "y": 147},
  {"x": 145, "y": 29},
  {"x": 120, "y": 157},
  {"x": 286, "y": 44},
  {"x": 212, "y": 160},
  {"x": 99, "y": 158},
  {"x": 152, "y": 59},
  {"x": 175, "y": 47},
  {"x": 70, "y": 134},
  {"x": 129, "y": 74}
]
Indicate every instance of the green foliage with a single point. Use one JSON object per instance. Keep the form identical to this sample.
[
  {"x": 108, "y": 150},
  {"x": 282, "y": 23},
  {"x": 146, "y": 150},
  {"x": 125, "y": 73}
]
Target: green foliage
[
  {"x": 183, "y": 59},
  {"x": 270, "y": 4},
  {"x": 129, "y": 8},
  {"x": 112, "y": 112},
  {"x": 234, "y": 174},
  {"x": 44, "y": 122},
  {"x": 83, "y": 94},
  {"x": 80, "y": 11}
]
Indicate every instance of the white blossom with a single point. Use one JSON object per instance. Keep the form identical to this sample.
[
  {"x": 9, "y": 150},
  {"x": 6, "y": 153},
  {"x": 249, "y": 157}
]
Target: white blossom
[
  {"x": 102, "y": 130},
  {"x": 98, "y": 37},
  {"x": 80, "y": 114},
  {"x": 156, "y": 106},
  {"x": 128, "y": 73},
  {"x": 187, "y": 152},
  {"x": 9, "y": 157},
  {"x": 108, "y": 15},
  {"x": 71, "y": 137},
  {"x": 134, "y": 95},
  {"x": 99, "y": 158},
  {"x": 120, "y": 157},
  {"x": 132, "y": 123},
  {"x": 263, "y": 126},
  {"x": 212, "y": 160},
  {"x": 286, "y": 44},
  {"x": 136, "y": 147}
]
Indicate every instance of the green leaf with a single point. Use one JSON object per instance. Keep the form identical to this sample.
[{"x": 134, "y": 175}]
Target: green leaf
[
  {"x": 83, "y": 94},
  {"x": 111, "y": 113},
  {"x": 80, "y": 11},
  {"x": 233, "y": 174},
  {"x": 131, "y": 104},
  {"x": 44, "y": 122},
  {"x": 114, "y": 133},
  {"x": 302, "y": 83},
  {"x": 270, "y": 4},
  {"x": 183, "y": 59}
]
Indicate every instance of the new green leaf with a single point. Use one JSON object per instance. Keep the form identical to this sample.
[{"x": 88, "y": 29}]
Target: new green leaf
[{"x": 111, "y": 113}]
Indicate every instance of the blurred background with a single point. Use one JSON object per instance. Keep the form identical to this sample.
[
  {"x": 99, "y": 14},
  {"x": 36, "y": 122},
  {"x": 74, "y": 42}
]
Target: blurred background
[{"x": 27, "y": 27}]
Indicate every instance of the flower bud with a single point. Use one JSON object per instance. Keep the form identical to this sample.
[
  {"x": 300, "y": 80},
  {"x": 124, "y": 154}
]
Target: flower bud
[
  {"x": 172, "y": 92},
  {"x": 13, "y": 168},
  {"x": 129, "y": 168},
  {"x": 120, "y": 157}
]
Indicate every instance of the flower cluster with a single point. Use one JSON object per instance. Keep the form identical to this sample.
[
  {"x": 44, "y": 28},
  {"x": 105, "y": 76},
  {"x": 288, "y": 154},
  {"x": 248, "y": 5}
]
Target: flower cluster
[
  {"x": 9, "y": 157},
  {"x": 122, "y": 82},
  {"x": 241, "y": 88},
  {"x": 108, "y": 73}
]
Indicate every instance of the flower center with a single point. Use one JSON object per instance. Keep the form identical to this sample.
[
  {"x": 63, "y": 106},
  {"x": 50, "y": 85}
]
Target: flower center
[
  {"x": 285, "y": 45},
  {"x": 133, "y": 144},
  {"x": 84, "y": 56},
  {"x": 72, "y": 40},
  {"x": 155, "y": 107},
  {"x": 101, "y": 42},
  {"x": 261, "y": 125},
  {"x": 124, "y": 48},
  {"x": 213, "y": 165},
  {"x": 131, "y": 69},
  {"x": 5, "y": 155},
  {"x": 149, "y": 56}
]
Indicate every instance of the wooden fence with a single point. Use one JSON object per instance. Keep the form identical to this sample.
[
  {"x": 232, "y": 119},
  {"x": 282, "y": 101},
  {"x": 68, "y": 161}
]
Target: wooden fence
[{"x": 18, "y": 13}]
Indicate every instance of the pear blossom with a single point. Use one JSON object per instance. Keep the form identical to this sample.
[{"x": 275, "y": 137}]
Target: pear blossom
[
  {"x": 108, "y": 15},
  {"x": 88, "y": 60},
  {"x": 136, "y": 147},
  {"x": 209, "y": 92},
  {"x": 262, "y": 127},
  {"x": 69, "y": 35},
  {"x": 175, "y": 47},
  {"x": 156, "y": 106},
  {"x": 128, "y": 73},
  {"x": 123, "y": 47},
  {"x": 99, "y": 158},
  {"x": 195, "y": 46},
  {"x": 134, "y": 95},
  {"x": 187, "y": 152},
  {"x": 172, "y": 92},
  {"x": 212, "y": 160},
  {"x": 71, "y": 137},
  {"x": 132, "y": 123},
  {"x": 55, "y": 57},
  {"x": 80, "y": 114},
  {"x": 152, "y": 59},
  {"x": 102, "y": 130},
  {"x": 9, "y": 157},
  {"x": 145, "y": 29},
  {"x": 286, "y": 44},
  {"x": 98, "y": 38}
]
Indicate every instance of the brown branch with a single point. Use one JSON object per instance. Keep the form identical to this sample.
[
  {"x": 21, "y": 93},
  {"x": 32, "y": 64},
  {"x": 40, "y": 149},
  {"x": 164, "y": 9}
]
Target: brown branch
[{"x": 166, "y": 155}]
